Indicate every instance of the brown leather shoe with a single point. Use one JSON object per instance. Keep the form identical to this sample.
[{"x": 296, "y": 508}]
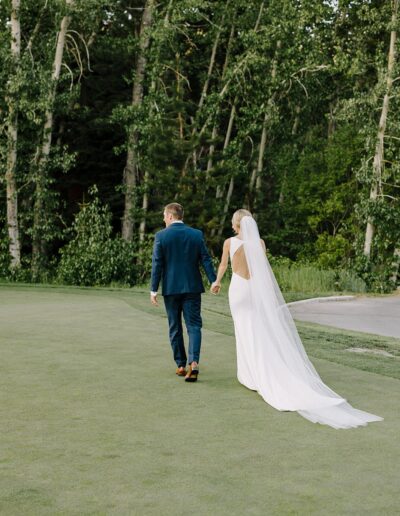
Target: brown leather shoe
[
  {"x": 192, "y": 374},
  {"x": 181, "y": 371}
]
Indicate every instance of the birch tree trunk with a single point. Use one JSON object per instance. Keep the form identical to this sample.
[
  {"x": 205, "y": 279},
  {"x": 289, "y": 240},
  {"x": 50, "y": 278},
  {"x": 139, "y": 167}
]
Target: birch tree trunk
[
  {"x": 396, "y": 265},
  {"x": 204, "y": 92},
  {"x": 12, "y": 138},
  {"x": 232, "y": 179},
  {"x": 231, "y": 186},
  {"x": 256, "y": 175},
  {"x": 214, "y": 133},
  {"x": 131, "y": 171},
  {"x": 378, "y": 163},
  {"x": 256, "y": 180},
  {"x": 210, "y": 67},
  {"x": 145, "y": 206},
  {"x": 295, "y": 128},
  {"x": 43, "y": 152}
]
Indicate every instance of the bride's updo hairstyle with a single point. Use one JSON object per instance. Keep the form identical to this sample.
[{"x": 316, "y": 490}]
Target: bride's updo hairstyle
[{"x": 238, "y": 215}]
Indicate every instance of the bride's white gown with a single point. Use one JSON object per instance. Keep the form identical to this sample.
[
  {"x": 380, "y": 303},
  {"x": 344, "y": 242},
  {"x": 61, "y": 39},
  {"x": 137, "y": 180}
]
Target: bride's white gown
[{"x": 270, "y": 356}]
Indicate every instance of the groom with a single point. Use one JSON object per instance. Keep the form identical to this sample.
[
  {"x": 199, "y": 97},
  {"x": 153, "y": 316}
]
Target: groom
[{"x": 177, "y": 254}]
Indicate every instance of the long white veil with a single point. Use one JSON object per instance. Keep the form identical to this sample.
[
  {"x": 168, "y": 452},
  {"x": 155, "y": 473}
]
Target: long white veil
[{"x": 284, "y": 375}]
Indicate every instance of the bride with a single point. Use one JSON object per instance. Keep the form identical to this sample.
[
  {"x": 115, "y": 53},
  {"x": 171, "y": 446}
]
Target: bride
[{"x": 270, "y": 355}]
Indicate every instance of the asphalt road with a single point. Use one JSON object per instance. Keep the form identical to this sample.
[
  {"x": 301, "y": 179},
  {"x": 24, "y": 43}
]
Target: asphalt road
[{"x": 379, "y": 315}]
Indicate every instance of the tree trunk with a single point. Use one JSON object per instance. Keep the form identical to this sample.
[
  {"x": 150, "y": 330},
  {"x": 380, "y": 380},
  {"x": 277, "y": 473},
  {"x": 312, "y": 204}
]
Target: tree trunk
[
  {"x": 12, "y": 138},
  {"x": 43, "y": 152},
  {"x": 226, "y": 205},
  {"x": 145, "y": 206},
  {"x": 378, "y": 163},
  {"x": 211, "y": 151},
  {"x": 231, "y": 186},
  {"x": 256, "y": 178},
  {"x": 331, "y": 120},
  {"x": 232, "y": 179},
  {"x": 146, "y": 179},
  {"x": 214, "y": 133},
  {"x": 131, "y": 170},
  {"x": 295, "y": 128},
  {"x": 204, "y": 92},
  {"x": 396, "y": 265},
  {"x": 210, "y": 67},
  {"x": 36, "y": 29},
  {"x": 260, "y": 12}
]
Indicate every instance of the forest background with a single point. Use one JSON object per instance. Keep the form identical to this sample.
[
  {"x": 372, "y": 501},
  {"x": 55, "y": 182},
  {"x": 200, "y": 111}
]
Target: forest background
[{"x": 109, "y": 110}]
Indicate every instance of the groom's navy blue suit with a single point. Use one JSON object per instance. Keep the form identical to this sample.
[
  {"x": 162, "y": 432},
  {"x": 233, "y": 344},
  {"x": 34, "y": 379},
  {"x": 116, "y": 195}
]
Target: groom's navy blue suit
[{"x": 178, "y": 252}]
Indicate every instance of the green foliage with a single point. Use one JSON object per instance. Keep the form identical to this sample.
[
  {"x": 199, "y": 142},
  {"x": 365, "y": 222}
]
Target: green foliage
[
  {"x": 309, "y": 278},
  {"x": 318, "y": 100},
  {"x": 93, "y": 257},
  {"x": 331, "y": 250},
  {"x": 377, "y": 275},
  {"x": 4, "y": 254}
]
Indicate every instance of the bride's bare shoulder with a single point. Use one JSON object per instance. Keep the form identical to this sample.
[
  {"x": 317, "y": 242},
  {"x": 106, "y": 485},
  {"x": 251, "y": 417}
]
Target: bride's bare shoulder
[
  {"x": 263, "y": 244},
  {"x": 227, "y": 243}
]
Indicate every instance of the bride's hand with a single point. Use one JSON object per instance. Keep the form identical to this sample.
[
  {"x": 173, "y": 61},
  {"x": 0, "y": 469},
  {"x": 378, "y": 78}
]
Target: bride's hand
[{"x": 215, "y": 287}]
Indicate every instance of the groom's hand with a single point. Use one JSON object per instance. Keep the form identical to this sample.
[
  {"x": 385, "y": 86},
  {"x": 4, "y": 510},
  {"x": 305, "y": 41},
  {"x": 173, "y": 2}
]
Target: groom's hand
[{"x": 153, "y": 299}]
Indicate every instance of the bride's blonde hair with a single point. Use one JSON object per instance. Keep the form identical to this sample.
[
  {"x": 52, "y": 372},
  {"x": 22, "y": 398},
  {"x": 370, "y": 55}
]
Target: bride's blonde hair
[{"x": 238, "y": 215}]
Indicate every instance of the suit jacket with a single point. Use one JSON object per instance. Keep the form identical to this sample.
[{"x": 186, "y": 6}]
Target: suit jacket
[{"x": 177, "y": 254}]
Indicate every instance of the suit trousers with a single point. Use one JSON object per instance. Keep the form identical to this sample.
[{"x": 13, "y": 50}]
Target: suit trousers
[{"x": 188, "y": 305}]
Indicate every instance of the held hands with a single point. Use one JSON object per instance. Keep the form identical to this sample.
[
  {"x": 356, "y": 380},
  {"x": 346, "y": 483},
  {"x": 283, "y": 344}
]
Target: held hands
[{"x": 215, "y": 287}]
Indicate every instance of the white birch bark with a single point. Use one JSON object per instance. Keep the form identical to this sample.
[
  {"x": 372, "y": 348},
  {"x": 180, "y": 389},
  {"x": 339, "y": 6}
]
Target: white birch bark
[
  {"x": 12, "y": 138},
  {"x": 232, "y": 179},
  {"x": 43, "y": 151},
  {"x": 378, "y": 163},
  {"x": 214, "y": 132},
  {"x": 231, "y": 186},
  {"x": 204, "y": 92},
  {"x": 256, "y": 179},
  {"x": 396, "y": 265},
  {"x": 210, "y": 67},
  {"x": 295, "y": 128},
  {"x": 145, "y": 206}
]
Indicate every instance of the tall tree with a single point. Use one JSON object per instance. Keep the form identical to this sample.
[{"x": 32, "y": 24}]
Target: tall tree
[
  {"x": 43, "y": 150},
  {"x": 12, "y": 136},
  {"x": 378, "y": 163},
  {"x": 131, "y": 171}
]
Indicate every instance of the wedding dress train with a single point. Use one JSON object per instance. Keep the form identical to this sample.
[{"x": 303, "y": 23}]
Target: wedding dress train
[{"x": 270, "y": 355}]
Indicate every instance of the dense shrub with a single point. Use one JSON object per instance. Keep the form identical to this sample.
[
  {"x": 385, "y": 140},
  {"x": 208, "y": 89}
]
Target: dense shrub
[
  {"x": 331, "y": 251},
  {"x": 378, "y": 275},
  {"x": 92, "y": 256},
  {"x": 4, "y": 255}
]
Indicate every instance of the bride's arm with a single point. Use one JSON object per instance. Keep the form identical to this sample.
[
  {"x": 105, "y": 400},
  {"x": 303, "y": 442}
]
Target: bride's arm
[{"x": 216, "y": 286}]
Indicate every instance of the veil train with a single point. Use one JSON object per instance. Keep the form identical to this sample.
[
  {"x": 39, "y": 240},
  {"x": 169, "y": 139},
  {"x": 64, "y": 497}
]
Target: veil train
[{"x": 284, "y": 375}]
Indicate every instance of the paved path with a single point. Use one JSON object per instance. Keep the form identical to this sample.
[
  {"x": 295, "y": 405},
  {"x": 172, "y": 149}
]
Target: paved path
[{"x": 379, "y": 315}]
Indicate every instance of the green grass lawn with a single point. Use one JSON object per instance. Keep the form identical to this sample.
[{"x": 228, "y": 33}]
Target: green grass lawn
[{"x": 94, "y": 421}]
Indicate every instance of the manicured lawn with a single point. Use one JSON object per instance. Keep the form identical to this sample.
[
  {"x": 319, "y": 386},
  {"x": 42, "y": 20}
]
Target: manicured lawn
[{"x": 94, "y": 421}]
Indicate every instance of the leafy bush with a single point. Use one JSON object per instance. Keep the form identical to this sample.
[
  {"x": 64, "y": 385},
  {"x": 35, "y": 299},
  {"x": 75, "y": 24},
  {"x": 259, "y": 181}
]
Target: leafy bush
[
  {"x": 331, "y": 251},
  {"x": 93, "y": 257},
  {"x": 377, "y": 276},
  {"x": 4, "y": 255}
]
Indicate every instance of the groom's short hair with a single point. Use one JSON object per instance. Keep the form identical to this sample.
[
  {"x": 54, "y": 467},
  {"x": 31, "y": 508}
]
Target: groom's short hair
[{"x": 175, "y": 209}]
